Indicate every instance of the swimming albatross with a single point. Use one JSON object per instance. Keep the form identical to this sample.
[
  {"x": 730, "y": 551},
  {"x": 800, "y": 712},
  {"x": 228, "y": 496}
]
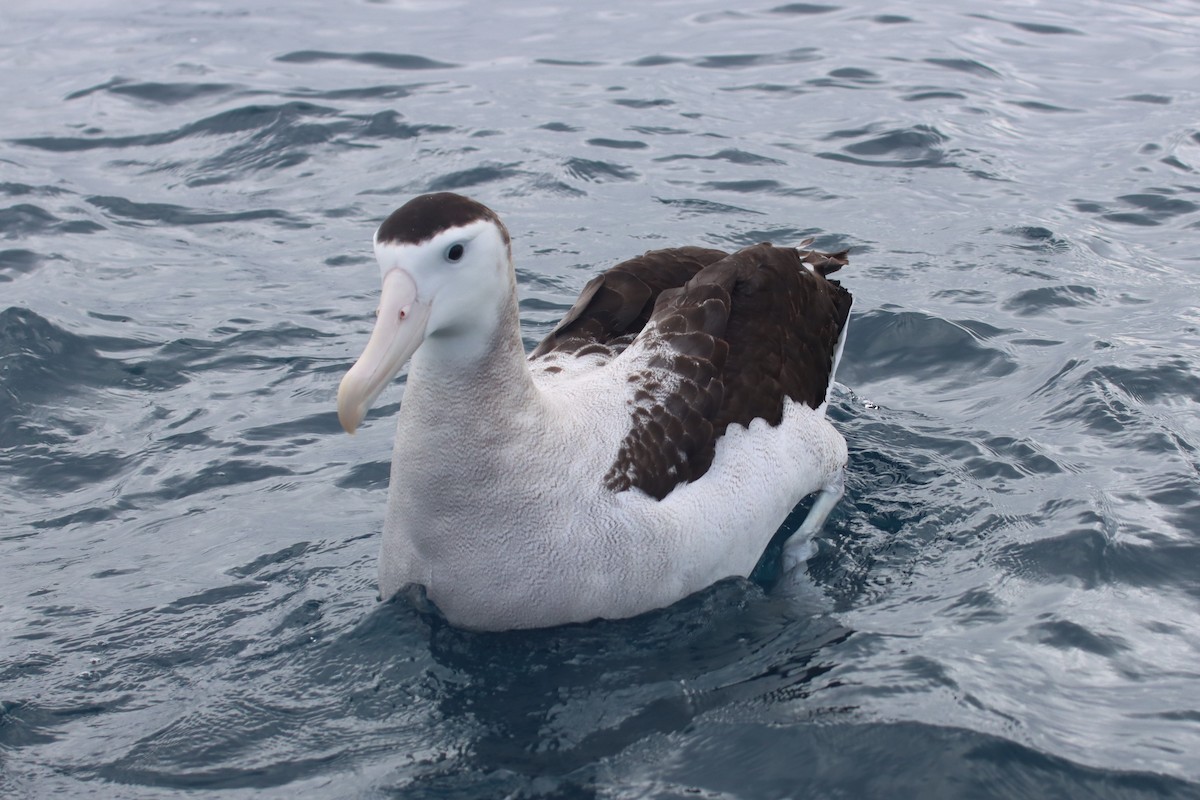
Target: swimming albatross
[{"x": 650, "y": 446}]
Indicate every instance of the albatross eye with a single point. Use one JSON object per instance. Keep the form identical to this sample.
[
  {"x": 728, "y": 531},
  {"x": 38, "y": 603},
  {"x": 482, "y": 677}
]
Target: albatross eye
[{"x": 455, "y": 251}]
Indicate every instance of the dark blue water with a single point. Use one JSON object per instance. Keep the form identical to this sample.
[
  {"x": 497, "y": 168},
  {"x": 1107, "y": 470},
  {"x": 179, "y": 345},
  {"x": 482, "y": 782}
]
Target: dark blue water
[{"x": 1006, "y": 603}]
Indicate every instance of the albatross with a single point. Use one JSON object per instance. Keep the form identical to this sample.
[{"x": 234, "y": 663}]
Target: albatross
[{"x": 651, "y": 445}]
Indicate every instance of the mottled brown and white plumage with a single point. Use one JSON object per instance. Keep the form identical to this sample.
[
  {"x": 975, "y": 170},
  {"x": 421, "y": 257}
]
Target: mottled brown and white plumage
[{"x": 649, "y": 446}]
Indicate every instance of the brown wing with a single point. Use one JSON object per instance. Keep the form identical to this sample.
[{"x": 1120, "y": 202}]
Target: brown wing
[
  {"x": 727, "y": 347},
  {"x": 615, "y": 305}
]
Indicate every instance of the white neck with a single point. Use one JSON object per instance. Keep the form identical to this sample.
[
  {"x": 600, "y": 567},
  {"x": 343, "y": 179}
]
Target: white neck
[{"x": 470, "y": 382}]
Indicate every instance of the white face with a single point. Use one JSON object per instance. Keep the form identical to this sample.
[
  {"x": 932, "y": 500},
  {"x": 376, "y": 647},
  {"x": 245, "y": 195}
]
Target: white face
[
  {"x": 450, "y": 290},
  {"x": 461, "y": 274}
]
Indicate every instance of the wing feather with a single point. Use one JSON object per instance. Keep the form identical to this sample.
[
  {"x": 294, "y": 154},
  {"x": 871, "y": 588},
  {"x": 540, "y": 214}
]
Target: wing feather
[
  {"x": 727, "y": 347},
  {"x": 614, "y": 306}
]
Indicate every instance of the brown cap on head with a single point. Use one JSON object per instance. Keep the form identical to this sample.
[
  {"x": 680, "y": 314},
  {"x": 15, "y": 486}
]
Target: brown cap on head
[{"x": 424, "y": 217}]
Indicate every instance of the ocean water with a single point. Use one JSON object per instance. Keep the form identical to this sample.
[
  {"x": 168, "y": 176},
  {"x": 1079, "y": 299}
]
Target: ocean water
[{"x": 1005, "y": 604}]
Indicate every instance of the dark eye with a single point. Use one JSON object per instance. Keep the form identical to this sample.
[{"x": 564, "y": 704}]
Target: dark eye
[{"x": 454, "y": 252}]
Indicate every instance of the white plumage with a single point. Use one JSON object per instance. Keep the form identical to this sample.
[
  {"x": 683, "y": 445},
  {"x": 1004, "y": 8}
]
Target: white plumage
[{"x": 506, "y": 500}]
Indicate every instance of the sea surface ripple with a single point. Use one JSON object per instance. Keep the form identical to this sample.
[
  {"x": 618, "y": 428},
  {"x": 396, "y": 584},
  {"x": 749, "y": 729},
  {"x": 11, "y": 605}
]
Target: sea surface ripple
[{"x": 1005, "y": 604}]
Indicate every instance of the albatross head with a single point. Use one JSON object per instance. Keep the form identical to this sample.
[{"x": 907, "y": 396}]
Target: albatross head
[{"x": 446, "y": 263}]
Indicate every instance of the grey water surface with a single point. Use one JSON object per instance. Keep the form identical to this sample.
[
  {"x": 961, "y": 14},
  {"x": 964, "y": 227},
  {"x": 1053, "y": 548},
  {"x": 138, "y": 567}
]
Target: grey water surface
[{"x": 1005, "y": 604}]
